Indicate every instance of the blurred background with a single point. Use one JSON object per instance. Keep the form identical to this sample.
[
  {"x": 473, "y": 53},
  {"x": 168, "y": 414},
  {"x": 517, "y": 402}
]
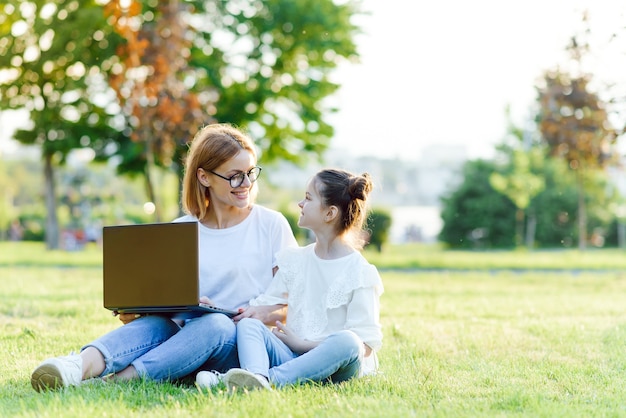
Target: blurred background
[{"x": 484, "y": 124}]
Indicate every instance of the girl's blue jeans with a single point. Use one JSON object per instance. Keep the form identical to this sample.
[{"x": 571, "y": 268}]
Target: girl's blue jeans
[
  {"x": 160, "y": 349},
  {"x": 335, "y": 359}
]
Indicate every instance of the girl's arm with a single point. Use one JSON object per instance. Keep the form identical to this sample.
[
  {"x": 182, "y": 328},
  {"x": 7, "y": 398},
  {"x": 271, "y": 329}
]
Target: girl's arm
[
  {"x": 270, "y": 306},
  {"x": 363, "y": 318},
  {"x": 295, "y": 343}
]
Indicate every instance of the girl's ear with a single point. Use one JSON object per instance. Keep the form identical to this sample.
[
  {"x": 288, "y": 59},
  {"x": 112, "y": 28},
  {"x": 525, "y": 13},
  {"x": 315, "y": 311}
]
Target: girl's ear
[{"x": 331, "y": 213}]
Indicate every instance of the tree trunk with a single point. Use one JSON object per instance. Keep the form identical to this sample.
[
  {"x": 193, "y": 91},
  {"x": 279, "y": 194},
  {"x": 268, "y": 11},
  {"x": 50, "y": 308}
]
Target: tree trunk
[
  {"x": 582, "y": 212},
  {"x": 519, "y": 227},
  {"x": 52, "y": 222},
  {"x": 531, "y": 229},
  {"x": 149, "y": 180}
]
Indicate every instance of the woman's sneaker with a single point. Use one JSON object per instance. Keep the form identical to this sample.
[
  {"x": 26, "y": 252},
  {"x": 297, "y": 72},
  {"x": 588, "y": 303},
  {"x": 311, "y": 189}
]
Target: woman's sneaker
[
  {"x": 242, "y": 379},
  {"x": 207, "y": 379},
  {"x": 58, "y": 372}
]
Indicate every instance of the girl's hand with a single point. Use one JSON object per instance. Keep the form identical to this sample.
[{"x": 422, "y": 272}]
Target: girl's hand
[{"x": 295, "y": 343}]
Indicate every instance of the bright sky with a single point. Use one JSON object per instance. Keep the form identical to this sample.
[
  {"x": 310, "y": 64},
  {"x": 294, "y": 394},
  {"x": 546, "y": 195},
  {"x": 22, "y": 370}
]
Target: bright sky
[{"x": 442, "y": 72}]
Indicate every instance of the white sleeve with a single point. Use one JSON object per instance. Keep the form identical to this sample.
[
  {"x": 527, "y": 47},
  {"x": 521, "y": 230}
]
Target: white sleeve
[
  {"x": 276, "y": 293},
  {"x": 363, "y": 313}
]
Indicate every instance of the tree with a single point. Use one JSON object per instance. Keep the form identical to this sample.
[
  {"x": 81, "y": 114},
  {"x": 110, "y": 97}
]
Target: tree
[
  {"x": 474, "y": 214},
  {"x": 52, "y": 56},
  {"x": 161, "y": 112},
  {"x": 273, "y": 76},
  {"x": 519, "y": 184},
  {"x": 574, "y": 123},
  {"x": 262, "y": 65}
]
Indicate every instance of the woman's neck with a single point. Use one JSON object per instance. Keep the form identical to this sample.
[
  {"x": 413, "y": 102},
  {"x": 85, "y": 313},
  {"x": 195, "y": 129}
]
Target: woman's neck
[{"x": 222, "y": 219}]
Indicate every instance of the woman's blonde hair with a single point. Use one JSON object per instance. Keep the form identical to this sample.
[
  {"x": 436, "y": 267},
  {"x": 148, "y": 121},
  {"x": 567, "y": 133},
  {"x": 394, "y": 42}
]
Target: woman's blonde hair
[{"x": 212, "y": 146}]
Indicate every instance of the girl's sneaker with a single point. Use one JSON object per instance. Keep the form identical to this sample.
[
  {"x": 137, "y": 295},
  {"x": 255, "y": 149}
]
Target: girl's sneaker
[
  {"x": 207, "y": 380},
  {"x": 242, "y": 379}
]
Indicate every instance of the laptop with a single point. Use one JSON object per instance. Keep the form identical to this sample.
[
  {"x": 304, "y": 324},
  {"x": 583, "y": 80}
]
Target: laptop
[{"x": 153, "y": 268}]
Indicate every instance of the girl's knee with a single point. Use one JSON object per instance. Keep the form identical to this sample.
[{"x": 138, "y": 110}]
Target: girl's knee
[
  {"x": 346, "y": 339},
  {"x": 249, "y": 324}
]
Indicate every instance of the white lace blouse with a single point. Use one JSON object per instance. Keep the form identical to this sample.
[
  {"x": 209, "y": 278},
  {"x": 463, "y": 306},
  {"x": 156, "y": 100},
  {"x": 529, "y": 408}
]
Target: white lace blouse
[{"x": 326, "y": 296}]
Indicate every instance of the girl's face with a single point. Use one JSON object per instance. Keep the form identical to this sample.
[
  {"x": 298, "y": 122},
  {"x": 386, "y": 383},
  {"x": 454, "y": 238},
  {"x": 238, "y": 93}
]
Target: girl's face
[
  {"x": 313, "y": 210},
  {"x": 221, "y": 191}
]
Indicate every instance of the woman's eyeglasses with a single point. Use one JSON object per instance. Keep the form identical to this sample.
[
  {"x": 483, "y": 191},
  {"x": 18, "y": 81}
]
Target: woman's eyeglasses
[{"x": 236, "y": 180}]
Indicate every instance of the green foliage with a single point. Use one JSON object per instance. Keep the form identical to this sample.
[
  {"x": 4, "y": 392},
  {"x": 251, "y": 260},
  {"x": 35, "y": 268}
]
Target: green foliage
[
  {"x": 263, "y": 65},
  {"x": 280, "y": 95},
  {"x": 518, "y": 182},
  {"x": 475, "y": 215},
  {"x": 379, "y": 226},
  {"x": 53, "y": 57},
  {"x": 292, "y": 216},
  {"x": 556, "y": 207},
  {"x": 33, "y": 224}
]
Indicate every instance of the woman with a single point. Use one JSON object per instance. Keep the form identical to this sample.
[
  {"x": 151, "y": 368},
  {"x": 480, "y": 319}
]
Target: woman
[{"x": 238, "y": 241}]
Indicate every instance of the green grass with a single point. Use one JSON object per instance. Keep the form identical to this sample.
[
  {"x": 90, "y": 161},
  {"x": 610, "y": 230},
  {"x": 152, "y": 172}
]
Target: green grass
[
  {"x": 457, "y": 343},
  {"x": 433, "y": 257},
  {"x": 403, "y": 257}
]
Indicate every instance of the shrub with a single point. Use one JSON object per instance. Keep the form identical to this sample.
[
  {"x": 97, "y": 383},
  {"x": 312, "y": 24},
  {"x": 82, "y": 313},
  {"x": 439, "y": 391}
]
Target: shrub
[{"x": 379, "y": 226}]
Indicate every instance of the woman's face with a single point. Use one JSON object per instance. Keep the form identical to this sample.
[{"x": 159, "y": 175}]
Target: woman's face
[{"x": 220, "y": 190}]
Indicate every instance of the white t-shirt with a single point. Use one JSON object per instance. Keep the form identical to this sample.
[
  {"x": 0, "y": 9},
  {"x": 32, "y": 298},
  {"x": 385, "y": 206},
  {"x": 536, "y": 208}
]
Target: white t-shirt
[
  {"x": 326, "y": 296},
  {"x": 236, "y": 263}
]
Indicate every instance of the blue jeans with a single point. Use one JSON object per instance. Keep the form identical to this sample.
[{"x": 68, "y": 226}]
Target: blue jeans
[
  {"x": 335, "y": 359},
  {"x": 160, "y": 350}
]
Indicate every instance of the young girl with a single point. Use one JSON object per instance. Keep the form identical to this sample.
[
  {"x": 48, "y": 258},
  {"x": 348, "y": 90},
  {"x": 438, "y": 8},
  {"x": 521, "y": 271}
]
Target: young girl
[{"x": 332, "y": 331}]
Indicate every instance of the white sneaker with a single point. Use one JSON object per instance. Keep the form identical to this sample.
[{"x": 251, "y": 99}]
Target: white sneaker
[
  {"x": 58, "y": 372},
  {"x": 242, "y": 379},
  {"x": 207, "y": 379}
]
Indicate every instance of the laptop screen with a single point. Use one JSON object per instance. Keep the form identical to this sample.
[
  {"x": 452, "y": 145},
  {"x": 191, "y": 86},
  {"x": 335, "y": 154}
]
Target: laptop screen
[{"x": 150, "y": 265}]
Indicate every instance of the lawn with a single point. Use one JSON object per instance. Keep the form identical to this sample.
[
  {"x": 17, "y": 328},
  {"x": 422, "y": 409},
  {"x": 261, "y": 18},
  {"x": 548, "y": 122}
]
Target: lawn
[{"x": 463, "y": 337}]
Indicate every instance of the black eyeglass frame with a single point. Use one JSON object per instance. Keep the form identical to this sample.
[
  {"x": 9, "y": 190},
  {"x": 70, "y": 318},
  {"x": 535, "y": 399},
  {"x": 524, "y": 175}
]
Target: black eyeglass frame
[{"x": 242, "y": 175}]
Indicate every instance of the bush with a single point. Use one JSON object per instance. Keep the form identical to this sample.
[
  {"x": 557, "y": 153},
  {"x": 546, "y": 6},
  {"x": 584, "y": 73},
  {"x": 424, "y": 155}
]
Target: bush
[
  {"x": 474, "y": 214},
  {"x": 379, "y": 226}
]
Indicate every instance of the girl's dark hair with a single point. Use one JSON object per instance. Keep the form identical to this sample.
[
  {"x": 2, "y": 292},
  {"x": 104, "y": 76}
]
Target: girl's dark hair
[{"x": 349, "y": 193}]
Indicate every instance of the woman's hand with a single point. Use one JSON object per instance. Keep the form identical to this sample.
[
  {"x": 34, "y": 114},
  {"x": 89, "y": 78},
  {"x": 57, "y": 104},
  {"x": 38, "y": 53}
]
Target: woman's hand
[
  {"x": 206, "y": 300},
  {"x": 295, "y": 343},
  {"x": 268, "y": 314},
  {"x": 126, "y": 317}
]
